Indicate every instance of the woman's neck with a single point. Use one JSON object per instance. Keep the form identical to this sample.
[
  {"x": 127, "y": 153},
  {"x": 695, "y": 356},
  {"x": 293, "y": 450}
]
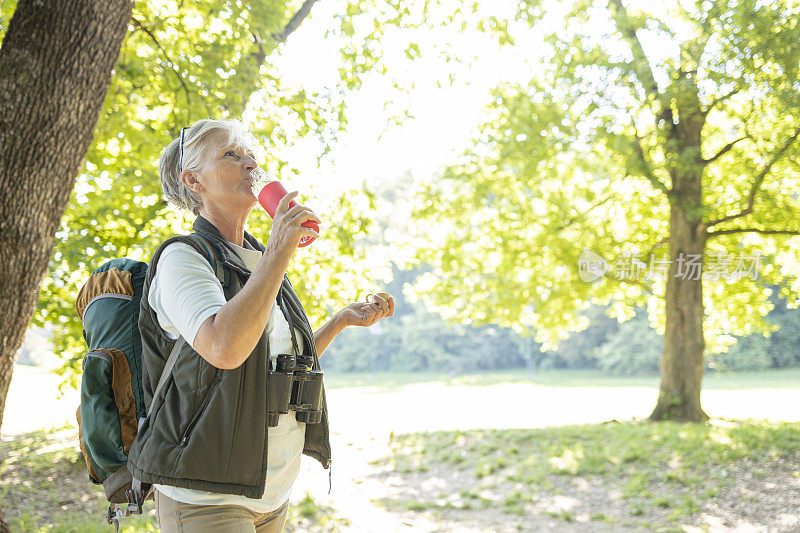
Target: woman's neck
[{"x": 230, "y": 225}]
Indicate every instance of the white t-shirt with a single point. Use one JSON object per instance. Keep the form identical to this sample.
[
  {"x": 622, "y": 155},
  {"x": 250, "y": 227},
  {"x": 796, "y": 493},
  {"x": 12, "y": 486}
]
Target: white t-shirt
[{"x": 184, "y": 293}]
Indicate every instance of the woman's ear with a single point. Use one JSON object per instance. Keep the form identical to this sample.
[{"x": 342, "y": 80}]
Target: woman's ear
[{"x": 189, "y": 179}]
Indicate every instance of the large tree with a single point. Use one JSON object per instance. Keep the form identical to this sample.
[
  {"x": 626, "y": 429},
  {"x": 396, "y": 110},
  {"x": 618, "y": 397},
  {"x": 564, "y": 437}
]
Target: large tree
[
  {"x": 667, "y": 132},
  {"x": 56, "y": 62},
  {"x": 171, "y": 63},
  {"x": 181, "y": 61}
]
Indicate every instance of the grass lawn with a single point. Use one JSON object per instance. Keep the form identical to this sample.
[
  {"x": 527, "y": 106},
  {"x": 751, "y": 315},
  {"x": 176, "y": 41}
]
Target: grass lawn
[
  {"x": 765, "y": 379},
  {"x": 662, "y": 476},
  {"x": 614, "y": 475},
  {"x": 44, "y": 487}
]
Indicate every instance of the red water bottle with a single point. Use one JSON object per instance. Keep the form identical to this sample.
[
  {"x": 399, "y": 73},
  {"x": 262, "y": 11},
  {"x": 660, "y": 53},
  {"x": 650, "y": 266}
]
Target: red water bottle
[{"x": 269, "y": 197}]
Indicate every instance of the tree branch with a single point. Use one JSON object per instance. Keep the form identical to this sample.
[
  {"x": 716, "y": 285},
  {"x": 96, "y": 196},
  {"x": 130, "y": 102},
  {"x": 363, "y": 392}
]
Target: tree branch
[
  {"x": 166, "y": 56},
  {"x": 641, "y": 65},
  {"x": 647, "y": 288},
  {"x": 722, "y": 98},
  {"x": 260, "y": 55},
  {"x": 294, "y": 22},
  {"x": 717, "y": 233},
  {"x": 574, "y": 219},
  {"x": 758, "y": 181},
  {"x": 625, "y": 27},
  {"x": 661, "y": 242},
  {"x": 724, "y": 150},
  {"x": 651, "y": 177},
  {"x": 691, "y": 51}
]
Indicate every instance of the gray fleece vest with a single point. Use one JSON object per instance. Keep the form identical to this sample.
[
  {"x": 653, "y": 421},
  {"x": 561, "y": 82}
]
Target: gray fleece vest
[{"x": 207, "y": 428}]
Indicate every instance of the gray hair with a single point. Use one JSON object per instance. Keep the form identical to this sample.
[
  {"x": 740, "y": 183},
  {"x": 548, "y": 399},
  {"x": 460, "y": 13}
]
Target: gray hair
[{"x": 195, "y": 140}]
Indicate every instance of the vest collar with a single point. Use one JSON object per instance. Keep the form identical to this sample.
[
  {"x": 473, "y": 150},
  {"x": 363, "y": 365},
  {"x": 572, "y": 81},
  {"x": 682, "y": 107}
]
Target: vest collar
[{"x": 207, "y": 230}]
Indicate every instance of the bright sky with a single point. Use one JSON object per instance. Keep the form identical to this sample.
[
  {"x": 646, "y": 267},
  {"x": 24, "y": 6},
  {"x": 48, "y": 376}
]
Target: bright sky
[{"x": 372, "y": 149}]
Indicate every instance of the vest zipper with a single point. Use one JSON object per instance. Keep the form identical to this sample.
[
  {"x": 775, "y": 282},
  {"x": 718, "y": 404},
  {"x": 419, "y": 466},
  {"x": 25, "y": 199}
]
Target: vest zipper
[{"x": 185, "y": 439}]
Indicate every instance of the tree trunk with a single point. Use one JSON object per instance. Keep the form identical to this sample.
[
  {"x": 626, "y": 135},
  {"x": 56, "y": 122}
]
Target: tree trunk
[
  {"x": 56, "y": 62},
  {"x": 681, "y": 363}
]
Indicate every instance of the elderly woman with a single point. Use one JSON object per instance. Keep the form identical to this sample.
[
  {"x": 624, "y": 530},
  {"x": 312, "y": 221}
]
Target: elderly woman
[{"x": 222, "y": 301}]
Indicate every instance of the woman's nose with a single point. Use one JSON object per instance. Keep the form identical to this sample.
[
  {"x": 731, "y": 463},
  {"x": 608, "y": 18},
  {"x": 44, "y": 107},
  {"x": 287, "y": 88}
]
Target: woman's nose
[{"x": 250, "y": 163}]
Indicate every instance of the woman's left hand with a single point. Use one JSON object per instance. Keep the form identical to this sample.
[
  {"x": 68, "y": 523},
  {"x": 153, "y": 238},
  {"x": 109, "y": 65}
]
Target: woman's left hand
[{"x": 367, "y": 313}]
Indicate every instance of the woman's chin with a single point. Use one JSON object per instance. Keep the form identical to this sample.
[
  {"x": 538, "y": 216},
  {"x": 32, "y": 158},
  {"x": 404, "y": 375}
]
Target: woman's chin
[{"x": 251, "y": 194}]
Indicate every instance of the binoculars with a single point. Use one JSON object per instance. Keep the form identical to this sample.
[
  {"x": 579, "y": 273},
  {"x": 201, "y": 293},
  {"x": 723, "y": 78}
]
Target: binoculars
[{"x": 294, "y": 385}]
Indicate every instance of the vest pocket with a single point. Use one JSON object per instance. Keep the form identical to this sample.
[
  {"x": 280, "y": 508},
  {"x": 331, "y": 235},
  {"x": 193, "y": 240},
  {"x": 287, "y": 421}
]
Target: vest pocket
[{"x": 186, "y": 434}]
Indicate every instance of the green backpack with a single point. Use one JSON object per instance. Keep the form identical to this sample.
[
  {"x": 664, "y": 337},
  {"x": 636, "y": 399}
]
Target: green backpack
[{"x": 112, "y": 398}]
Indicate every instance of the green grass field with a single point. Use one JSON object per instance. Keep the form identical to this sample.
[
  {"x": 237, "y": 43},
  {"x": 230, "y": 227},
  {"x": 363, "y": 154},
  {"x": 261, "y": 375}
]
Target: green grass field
[
  {"x": 660, "y": 476},
  {"x": 654, "y": 475},
  {"x": 44, "y": 488}
]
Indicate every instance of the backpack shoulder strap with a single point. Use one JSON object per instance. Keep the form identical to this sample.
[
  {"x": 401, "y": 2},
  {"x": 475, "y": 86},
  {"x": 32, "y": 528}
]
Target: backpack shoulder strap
[
  {"x": 203, "y": 247},
  {"x": 173, "y": 356},
  {"x": 213, "y": 258}
]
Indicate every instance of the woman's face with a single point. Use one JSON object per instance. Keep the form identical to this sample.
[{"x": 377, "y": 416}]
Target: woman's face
[{"x": 225, "y": 176}]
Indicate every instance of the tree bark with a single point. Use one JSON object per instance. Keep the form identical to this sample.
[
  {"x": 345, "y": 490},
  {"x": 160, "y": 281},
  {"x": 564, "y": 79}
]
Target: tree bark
[
  {"x": 56, "y": 62},
  {"x": 681, "y": 362}
]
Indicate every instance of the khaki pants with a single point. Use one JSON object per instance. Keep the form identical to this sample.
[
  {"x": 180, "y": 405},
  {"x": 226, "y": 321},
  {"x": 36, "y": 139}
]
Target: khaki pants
[{"x": 179, "y": 517}]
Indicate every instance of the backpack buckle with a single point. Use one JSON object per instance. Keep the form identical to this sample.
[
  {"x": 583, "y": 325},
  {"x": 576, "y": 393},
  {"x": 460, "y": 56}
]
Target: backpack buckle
[
  {"x": 136, "y": 498},
  {"x": 114, "y": 514}
]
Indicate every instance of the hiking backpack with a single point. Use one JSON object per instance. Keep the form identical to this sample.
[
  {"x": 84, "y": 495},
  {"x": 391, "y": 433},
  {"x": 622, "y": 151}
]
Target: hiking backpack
[{"x": 112, "y": 397}]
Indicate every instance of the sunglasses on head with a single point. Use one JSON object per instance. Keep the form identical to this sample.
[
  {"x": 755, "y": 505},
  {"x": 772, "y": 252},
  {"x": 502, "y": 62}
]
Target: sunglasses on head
[{"x": 180, "y": 149}]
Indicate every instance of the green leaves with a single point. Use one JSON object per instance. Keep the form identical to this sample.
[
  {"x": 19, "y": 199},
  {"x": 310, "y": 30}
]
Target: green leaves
[
  {"x": 586, "y": 151},
  {"x": 183, "y": 60},
  {"x": 593, "y": 152},
  {"x": 7, "y": 8}
]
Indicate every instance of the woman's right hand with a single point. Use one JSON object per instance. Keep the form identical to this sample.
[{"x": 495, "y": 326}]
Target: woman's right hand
[{"x": 287, "y": 230}]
